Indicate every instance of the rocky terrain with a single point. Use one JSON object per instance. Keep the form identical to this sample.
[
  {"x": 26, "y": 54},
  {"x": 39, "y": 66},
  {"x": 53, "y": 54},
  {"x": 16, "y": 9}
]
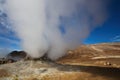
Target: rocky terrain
[
  {"x": 87, "y": 62},
  {"x": 103, "y": 55},
  {"x": 14, "y": 56}
]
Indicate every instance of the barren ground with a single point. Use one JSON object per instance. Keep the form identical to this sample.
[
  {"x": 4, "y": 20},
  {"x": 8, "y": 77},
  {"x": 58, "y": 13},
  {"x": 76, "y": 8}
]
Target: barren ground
[{"x": 88, "y": 62}]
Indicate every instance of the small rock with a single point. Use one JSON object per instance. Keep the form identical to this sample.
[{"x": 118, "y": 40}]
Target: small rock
[{"x": 107, "y": 64}]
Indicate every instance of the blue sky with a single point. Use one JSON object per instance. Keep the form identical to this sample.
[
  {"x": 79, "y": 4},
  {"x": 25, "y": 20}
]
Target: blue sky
[{"x": 108, "y": 32}]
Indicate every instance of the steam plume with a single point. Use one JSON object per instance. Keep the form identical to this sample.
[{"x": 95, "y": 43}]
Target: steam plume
[{"x": 53, "y": 26}]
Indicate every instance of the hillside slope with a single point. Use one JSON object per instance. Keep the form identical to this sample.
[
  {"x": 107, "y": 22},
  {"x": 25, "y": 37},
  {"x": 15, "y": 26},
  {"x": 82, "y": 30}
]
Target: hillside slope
[{"x": 104, "y": 55}]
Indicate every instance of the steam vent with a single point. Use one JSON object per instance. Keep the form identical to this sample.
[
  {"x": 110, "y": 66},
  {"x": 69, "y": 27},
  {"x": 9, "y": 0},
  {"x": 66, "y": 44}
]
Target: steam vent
[
  {"x": 101, "y": 62},
  {"x": 59, "y": 39}
]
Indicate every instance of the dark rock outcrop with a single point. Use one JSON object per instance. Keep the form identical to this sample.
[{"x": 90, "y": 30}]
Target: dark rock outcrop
[{"x": 16, "y": 55}]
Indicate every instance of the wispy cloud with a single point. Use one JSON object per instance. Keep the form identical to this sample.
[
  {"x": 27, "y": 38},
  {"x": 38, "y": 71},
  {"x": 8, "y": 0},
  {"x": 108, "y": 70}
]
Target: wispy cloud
[
  {"x": 4, "y": 22},
  {"x": 116, "y": 38},
  {"x": 11, "y": 41}
]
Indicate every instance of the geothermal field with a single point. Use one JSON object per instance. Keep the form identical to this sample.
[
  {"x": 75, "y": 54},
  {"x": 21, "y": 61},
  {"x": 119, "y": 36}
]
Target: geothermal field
[
  {"x": 59, "y": 40},
  {"x": 87, "y": 62}
]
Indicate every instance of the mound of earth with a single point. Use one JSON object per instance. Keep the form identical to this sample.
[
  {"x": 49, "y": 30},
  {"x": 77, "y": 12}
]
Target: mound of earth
[{"x": 16, "y": 55}]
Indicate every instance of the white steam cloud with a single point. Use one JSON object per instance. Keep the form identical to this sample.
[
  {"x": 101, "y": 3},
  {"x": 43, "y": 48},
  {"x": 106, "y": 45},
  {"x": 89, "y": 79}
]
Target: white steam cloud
[{"x": 53, "y": 26}]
